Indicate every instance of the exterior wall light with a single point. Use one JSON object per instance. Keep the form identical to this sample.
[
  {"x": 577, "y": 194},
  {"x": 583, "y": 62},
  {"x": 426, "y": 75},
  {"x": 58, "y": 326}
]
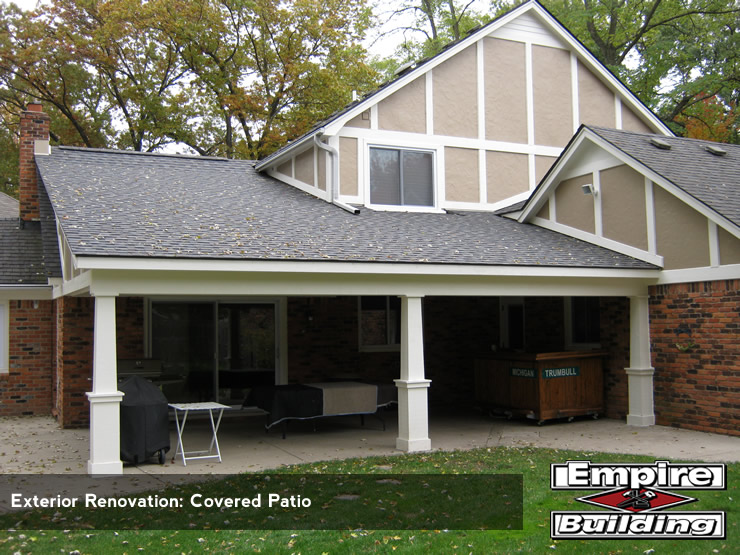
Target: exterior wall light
[{"x": 588, "y": 189}]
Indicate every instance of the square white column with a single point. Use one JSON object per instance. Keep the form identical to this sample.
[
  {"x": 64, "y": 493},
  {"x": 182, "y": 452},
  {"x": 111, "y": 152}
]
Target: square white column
[
  {"x": 105, "y": 399},
  {"x": 413, "y": 418},
  {"x": 640, "y": 372}
]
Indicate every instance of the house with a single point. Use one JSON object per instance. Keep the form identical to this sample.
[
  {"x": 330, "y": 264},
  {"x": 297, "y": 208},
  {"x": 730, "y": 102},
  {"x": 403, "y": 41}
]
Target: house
[{"x": 407, "y": 237}]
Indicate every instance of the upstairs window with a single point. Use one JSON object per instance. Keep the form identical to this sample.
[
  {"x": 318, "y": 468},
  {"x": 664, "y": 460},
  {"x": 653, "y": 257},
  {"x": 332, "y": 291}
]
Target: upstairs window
[{"x": 401, "y": 177}]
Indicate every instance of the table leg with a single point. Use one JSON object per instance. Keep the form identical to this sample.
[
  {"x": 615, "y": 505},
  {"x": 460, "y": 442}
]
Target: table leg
[
  {"x": 180, "y": 427},
  {"x": 214, "y": 428}
]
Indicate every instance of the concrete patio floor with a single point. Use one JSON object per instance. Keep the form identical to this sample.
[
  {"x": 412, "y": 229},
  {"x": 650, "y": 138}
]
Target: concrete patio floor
[
  {"x": 56, "y": 459},
  {"x": 32, "y": 445}
]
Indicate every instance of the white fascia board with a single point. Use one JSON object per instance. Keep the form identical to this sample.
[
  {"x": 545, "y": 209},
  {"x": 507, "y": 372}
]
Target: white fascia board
[
  {"x": 311, "y": 190},
  {"x": 355, "y": 268},
  {"x": 729, "y": 272},
  {"x": 25, "y": 292},
  {"x": 288, "y": 153},
  {"x": 603, "y": 242},
  {"x": 78, "y": 285}
]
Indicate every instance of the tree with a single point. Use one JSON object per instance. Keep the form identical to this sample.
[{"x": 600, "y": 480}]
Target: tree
[
  {"x": 35, "y": 66},
  {"x": 96, "y": 64},
  {"x": 266, "y": 69},
  {"x": 427, "y": 26},
  {"x": 224, "y": 77}
]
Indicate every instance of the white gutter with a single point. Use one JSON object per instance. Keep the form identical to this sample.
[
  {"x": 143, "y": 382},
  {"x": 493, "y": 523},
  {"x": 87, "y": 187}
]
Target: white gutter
[{"x": 334, "y": 185}]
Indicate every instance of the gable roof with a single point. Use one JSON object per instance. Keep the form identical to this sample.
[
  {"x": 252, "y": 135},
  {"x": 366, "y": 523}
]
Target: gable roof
[
  {"x": 21, "y": 253},
  {"x": 355, "y": 108},
  {"x": 689, "y": 164},
  {"x": 711, "y": 180},
  {"x": 124, "y": 204}
]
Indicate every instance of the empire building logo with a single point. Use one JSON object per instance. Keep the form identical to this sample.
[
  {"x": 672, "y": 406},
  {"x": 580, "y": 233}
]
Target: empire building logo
[{"x": 635, "y": 494}]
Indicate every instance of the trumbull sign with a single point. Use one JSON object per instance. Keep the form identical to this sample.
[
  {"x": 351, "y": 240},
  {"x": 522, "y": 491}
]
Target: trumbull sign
[
  {"x": 546, "y": 372},
  {"x": 634, "y": 492}
]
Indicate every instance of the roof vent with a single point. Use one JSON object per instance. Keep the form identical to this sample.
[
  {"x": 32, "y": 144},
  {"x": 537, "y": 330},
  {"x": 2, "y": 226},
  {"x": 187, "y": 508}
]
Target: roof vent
[
  {"x": 659, "y": 143},
  {"x": 717, "y": 151}
]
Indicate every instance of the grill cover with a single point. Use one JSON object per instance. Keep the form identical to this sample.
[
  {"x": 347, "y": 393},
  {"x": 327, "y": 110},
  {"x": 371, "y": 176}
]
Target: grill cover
[{"x": 144, "y": 420}]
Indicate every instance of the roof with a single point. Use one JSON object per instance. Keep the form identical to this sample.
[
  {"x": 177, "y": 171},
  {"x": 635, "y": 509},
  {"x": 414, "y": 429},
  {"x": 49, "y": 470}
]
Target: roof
[
  {"x": 8, "y": 206},
  {"x": 124, "y": 204},
  {"x": 422, "y": 66},
  {"x": 21, "y": 253},
  {"x": 712, "y": 179}
]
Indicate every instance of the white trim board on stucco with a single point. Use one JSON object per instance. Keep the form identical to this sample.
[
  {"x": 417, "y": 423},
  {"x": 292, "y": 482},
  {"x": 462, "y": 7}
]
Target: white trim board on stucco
[{"x": 530, "y": 10}]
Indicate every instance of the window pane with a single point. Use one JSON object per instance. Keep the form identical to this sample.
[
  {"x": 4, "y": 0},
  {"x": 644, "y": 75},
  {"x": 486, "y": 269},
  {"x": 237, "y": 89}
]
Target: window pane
[
  {"x": 183, "y": 339},
  {"x": 417, "y": 178},
  {"x": 385, "y": 176}
]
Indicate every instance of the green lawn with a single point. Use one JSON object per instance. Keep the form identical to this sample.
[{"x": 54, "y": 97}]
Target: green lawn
[{"x": 539, "y": 500}]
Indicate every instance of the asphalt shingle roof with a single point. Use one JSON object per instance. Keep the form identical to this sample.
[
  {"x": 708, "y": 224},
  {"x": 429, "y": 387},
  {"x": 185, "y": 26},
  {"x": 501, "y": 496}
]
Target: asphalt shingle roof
[
  {"x": 21, "y": 253},
  {"x": 711, "y": 179},
  {"x": 115, "y": 203},
  {"x": 8, "y": 206}
]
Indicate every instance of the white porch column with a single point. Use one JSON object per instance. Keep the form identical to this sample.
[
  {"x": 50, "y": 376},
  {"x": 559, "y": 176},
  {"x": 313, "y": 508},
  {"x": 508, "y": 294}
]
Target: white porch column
[
  {"x": 640, "y": 373},
  {"x": 413, "y": 420},
  {"x": 105, "y": 399}
]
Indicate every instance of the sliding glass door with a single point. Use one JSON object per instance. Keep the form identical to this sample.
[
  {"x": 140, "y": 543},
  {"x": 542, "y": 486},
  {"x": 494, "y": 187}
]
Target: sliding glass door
[{"x": 212, "y": 351}]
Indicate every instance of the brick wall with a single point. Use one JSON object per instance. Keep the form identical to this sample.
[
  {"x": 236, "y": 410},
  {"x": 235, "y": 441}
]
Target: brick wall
[
  {"x": 34, "y": 126},
  {"x": 323, "y": 343},
  {"x": 74, "y": 351},
  {"x": 696, "y": 355},
  {"x": 129, "y": 327},
  {"x": 74, "y": 360},
  {"x": 457, "y": 331},
  {"x": 27, "y": 388},
  {"x": 614, "y": 315}
]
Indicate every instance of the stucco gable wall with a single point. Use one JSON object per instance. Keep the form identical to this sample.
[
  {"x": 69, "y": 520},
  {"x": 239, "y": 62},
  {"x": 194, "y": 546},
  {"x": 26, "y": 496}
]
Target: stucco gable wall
[
  {"x": 495, "y": 115},
  {"x": 631, "y": 210},
  {"x": 510, "y": 97}
]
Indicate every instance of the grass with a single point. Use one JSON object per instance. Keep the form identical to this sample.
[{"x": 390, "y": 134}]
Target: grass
[{"x": 539, "y": 500}]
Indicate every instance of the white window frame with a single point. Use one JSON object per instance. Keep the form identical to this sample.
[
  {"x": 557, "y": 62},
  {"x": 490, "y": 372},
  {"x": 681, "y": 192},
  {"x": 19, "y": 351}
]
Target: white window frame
[
  {"x": 4, "y": 337},
  {"x": 570, "y": 344},
  {"x": 388, "y": 347},
  {"x": 403, "y": 208}
]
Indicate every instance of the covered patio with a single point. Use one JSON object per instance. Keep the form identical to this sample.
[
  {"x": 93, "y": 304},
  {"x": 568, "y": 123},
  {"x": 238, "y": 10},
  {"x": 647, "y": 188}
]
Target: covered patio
[{"x": 413, "y": 430}]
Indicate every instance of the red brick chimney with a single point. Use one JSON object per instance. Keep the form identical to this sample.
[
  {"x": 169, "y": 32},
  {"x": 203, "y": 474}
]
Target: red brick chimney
[{"x": 34, "y": 140}]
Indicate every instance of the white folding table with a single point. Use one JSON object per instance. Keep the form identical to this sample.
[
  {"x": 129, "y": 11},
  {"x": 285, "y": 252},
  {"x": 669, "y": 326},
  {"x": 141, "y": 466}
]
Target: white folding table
[{"x": 187, "y": 408}]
